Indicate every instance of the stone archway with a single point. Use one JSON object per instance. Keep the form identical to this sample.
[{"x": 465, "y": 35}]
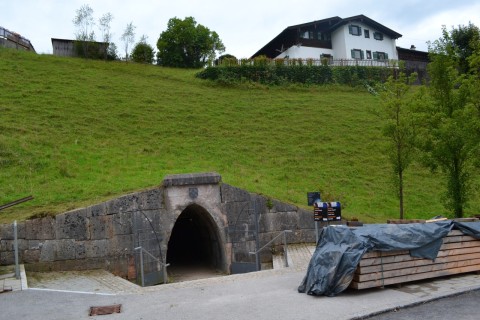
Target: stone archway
[{"x": 195, "y": 245}]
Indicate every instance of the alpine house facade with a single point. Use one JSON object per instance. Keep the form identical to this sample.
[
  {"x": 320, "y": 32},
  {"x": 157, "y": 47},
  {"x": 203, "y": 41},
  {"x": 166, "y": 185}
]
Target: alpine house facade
[{"x": 357, "y": 37}]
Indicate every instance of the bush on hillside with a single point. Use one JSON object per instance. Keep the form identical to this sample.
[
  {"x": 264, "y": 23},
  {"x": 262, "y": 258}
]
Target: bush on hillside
[{"x": 298, "y": 72}]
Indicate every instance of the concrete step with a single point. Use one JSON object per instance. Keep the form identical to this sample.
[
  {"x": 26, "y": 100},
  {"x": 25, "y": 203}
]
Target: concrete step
[{"x": 299, "y": 256}]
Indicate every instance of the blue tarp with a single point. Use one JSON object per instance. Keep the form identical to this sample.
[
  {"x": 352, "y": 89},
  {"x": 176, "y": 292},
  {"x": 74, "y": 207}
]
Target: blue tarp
[{"x": 340, "y": 249}]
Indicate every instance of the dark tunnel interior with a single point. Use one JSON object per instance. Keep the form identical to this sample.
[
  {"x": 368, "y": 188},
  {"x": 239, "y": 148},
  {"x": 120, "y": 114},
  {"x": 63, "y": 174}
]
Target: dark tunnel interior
[{"x": 194, "y": 241}]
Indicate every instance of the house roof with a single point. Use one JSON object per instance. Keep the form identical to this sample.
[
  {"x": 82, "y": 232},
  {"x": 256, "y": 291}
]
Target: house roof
[
  {"x": 366, "y": 20},
  {"x": 288, "y": 36},
  {"x": 412, "y": 54}
]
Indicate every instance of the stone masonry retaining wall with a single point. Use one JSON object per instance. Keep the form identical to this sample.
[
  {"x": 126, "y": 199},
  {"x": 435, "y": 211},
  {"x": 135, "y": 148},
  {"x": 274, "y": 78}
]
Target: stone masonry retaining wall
[{"x": 103, "y": 235}]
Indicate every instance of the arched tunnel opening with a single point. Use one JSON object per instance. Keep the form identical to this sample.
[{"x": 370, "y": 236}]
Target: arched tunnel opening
[{"x": 194, "y": 248}]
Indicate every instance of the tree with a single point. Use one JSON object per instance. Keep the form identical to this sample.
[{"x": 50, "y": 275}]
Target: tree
[
  {"x": 459, "y": 44},
  {"x": 104, "y": 23},
  {"x": 464, "y": 40},
  {"x": 84, "y": 23},
  {"x": 186, "y": 44},
  {"x": 399, "y": 127},
  {"x": 128, "y": 37},
  {"x": 452, "y": 135},
  {"x": 112, "y": 52},
  {"x": 143, "y": 52},
  {"x": 227, "y": 59}
]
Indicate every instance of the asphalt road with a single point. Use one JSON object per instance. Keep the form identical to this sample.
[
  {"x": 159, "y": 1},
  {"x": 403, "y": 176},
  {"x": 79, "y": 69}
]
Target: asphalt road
[{"x": 465, "y": 306}]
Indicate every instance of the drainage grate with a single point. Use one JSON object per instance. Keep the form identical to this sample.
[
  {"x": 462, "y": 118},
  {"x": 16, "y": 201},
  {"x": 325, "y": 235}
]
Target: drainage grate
[{"x": 100, "y": 311}]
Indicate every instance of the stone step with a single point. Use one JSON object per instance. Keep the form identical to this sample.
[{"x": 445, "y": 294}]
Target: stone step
[{"x": 299, "y": 256}]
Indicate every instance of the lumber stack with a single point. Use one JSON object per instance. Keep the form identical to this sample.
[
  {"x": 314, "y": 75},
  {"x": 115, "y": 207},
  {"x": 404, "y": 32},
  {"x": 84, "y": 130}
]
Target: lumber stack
[{"x": 459, "y": 254}]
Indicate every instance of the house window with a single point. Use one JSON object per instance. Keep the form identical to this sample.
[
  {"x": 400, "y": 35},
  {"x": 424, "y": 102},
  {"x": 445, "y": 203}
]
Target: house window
[
  {"x": 323, "y": 36},
  {"x": 355, "y": 30},
  {"x": 357, "y": 54},
  {"x": 367, "y": 33},
  {"x": 369, "y": 54},
  {"x": 380, "y": 56},
  {"x": 378, "y": 36},
  {"x": 307, "y": 35}
]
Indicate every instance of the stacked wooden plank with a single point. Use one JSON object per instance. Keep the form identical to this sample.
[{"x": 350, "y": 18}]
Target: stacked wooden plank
[{"x": 459, "y": 254}]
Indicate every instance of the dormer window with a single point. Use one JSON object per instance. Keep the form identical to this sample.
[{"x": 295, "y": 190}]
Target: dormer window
[
  {"x": 355, "y": 30},
  {"x": 378, "y": 36}
]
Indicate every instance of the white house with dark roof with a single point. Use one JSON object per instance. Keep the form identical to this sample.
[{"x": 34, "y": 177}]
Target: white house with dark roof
[{"x": 357, "y": 37}]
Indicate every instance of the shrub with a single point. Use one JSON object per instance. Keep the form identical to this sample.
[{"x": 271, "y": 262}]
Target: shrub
[{"x": 279, "y": 71}]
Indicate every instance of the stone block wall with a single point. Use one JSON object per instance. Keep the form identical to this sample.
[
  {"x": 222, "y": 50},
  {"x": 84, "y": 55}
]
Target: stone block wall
[
  {"x": 104, "y": 235},
  {"x": 99, "y": 236},
  {"x": 274, "y": 216}
]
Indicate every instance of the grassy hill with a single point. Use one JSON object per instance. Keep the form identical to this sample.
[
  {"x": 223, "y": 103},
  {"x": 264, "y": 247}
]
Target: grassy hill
[{"x": 75, "y": 132}]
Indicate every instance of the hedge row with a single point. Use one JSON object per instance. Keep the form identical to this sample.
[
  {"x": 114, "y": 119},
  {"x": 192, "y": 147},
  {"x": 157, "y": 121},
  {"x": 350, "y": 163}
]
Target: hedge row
[{"x": 307, "y": 74}]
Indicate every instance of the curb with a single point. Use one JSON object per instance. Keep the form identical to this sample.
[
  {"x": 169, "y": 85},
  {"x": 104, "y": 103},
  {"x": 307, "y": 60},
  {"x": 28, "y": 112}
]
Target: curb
[
  {"x": 417, "y": 303},
  {"x": 23, "y": 278}
]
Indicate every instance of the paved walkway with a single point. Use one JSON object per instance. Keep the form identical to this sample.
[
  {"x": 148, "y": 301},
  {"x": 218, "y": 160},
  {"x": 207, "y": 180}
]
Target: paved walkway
[
  {"x": 299, "y": 256},
  {"x": 270, "y": 294},
  {"x": 8, "y": 281}
]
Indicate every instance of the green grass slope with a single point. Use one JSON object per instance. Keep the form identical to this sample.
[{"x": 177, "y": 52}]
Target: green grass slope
[{"x": 74, "y": 132}]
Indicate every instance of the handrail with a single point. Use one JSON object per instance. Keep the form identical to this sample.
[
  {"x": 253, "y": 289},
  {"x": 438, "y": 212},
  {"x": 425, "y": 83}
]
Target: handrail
[
  {"x": 14, "y": 203},
  {"x": 159, "y": 263},
  {"x": 151, "y": 255},
  {"x": 284, "y": 232}
]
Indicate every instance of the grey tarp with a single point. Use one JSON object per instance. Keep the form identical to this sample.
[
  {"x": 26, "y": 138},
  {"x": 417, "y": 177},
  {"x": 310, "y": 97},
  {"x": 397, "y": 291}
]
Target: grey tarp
[
  {"x": 469, "y": 228},
  {"x": 340, "y": 249}
]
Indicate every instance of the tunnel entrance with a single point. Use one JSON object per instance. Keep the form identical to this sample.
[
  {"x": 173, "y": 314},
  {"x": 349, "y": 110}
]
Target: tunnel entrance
[{"x": 194, "y": 250}]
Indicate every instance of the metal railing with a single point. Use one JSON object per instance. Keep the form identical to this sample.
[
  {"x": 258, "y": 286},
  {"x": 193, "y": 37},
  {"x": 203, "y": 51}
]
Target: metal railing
[
  {"x": 386, "y": 63},
  {"x": 15, "y": 244},
  {"x": 14, "y": 203},
  {"x": 15, "y": 38},
  {"x": 160, "y": 264},
  {"x": 285, "y": 247}
]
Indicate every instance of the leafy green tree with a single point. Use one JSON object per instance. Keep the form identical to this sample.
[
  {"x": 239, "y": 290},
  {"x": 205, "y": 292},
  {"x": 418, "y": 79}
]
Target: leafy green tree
[
  {"x": 227, "y": 59},
  {"x": 143, "y": 52},
  {"x": 112, "y": 51},
  {"x": 459, "y": 44},
  {"x": 186, "y": 44},
  {"x": 399, "y": 128},
  {"x": 89, "y": 49},
  {"x": 464, "y": 40},
  {"x": 452, "y": 135}
]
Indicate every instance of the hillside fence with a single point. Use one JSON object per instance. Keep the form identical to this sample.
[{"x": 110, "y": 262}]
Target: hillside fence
[{"x": 13, "y": 40}]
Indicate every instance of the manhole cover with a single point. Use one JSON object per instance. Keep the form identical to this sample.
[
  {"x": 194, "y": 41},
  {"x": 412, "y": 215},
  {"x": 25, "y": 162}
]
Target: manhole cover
[{"x": 103, "y": 310}]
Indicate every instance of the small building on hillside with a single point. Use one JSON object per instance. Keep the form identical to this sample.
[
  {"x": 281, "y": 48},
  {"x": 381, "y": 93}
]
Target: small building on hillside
[
  {"x": 415, "y": 60},
  {"x": 357, "y": 38},
  {"x": 10, "y": 39},
  {"x": 74, "y": 48}
]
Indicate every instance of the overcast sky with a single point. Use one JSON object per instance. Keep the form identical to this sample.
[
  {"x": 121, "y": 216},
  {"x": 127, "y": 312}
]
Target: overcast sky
[{"x": 244, "y": 26}]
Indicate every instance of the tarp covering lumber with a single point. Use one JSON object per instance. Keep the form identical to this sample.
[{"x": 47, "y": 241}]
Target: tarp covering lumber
[{"x": 340, "y": 249}]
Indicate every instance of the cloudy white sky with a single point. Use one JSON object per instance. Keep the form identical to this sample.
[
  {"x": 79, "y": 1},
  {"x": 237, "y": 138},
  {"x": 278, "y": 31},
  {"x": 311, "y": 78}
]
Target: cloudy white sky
[{"x": 244, "y": 26}]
